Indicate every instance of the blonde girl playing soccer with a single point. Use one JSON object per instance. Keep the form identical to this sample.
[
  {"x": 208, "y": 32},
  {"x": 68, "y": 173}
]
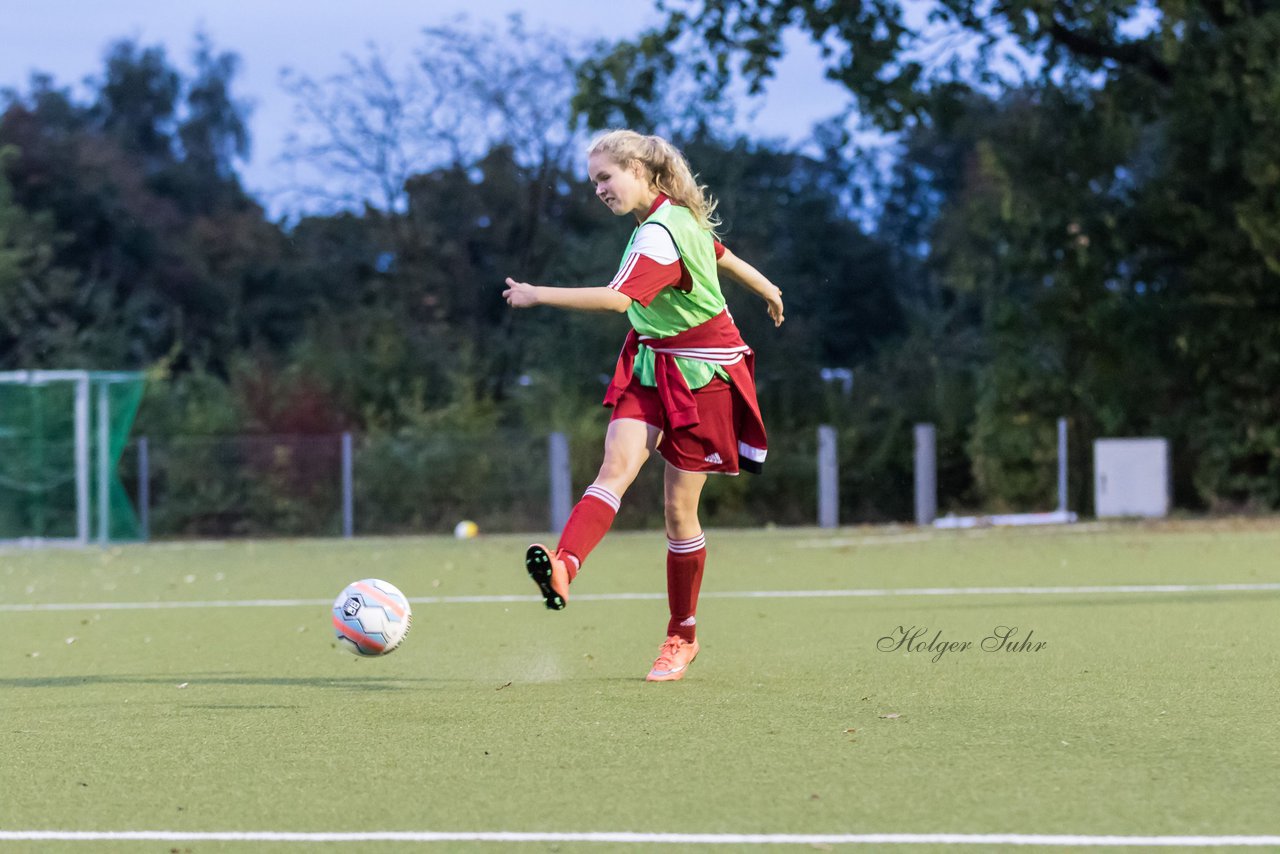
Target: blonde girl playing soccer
[{"x": 684, "y": 385}]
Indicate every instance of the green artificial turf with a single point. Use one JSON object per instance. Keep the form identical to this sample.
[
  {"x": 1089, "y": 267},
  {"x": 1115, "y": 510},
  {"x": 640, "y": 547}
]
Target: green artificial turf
[{"x": 1141, "y": 713}]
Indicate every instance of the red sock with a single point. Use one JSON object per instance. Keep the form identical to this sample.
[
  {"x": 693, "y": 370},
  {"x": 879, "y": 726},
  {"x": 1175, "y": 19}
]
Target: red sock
[
  {"x": 685, "y": 560},
  {"x": 587, "y": 525}
]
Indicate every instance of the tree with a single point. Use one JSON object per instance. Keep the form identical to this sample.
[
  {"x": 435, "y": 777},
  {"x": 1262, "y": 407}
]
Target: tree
[
  {"x": 33, "y": 288},
  {"x": 463, "y": 167},
  {"x": 130, "y": 210},
  {"x": 363, "y": 133},
  {"x": 893, "y": 59},
  {"x": 1104, "y": 211},
  {"x": 137, "y": 103},
  {"x": 212, "y": 136},
  {"x": 214, "y": 133}
]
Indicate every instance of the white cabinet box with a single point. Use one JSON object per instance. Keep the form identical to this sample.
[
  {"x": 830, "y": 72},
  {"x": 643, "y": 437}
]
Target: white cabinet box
[{"x": 1131, "y": 477}]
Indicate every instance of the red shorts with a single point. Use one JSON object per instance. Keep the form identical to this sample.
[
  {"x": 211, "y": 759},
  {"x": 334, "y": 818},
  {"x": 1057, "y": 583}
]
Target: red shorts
[{"x": 710, "y": 446}]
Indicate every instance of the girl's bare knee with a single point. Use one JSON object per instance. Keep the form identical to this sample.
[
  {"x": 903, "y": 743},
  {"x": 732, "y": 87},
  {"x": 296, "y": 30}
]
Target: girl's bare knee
[
  {"x": 680, "y": 515},
  {"x": 618, "y": 470}
]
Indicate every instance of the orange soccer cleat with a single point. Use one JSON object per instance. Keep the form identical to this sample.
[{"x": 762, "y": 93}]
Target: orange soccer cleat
[
  {"x": 673, "y": 659},
  {"x": 550, "y": 573}
]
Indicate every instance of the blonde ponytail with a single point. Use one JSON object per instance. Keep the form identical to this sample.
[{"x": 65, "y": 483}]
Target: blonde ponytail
[{"x": 667, "y": 168}]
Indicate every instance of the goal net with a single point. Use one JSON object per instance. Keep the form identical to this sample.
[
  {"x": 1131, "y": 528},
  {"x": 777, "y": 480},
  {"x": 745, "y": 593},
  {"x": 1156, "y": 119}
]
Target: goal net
[{"x": 62, "y": 434}]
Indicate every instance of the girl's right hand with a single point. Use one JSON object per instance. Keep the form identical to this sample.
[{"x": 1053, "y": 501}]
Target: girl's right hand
[{"x": 520, "y": 294}]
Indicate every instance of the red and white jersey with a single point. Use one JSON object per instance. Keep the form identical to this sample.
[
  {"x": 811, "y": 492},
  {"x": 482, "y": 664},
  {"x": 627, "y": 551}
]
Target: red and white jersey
[{"x": 653, "y": 264}]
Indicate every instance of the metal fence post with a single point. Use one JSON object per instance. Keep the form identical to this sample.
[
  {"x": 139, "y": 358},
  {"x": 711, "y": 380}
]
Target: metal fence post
[
  {"x": 828, "y": 478},
  {"x": 82, "y": 432},
  {"x": 560, "y": 477},
  {"x": 926, "y": 474},
  {"x": 348, "y": 500},
  {"x": 1062, "y": 465},
  {"x": 104, "y": 465},
  {"x": 144, "y": 489}
]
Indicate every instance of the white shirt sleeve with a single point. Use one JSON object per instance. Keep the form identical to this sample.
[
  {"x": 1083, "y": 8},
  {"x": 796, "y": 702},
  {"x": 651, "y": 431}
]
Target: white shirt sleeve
[{"x": 655, "y": 242}]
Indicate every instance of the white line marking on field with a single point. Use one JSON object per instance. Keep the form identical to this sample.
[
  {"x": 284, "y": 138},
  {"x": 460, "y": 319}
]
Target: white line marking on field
[
  {"x": 993, "y": 591},
  {"x": 962, "y": 535},
  {"x": 951, "y": 535},
  {"x": 856, "y": 593},
  {"x": 1056, "y": 840},
  {"x": 882, "y": 540}
]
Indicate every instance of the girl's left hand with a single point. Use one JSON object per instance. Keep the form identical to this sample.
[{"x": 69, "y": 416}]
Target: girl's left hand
[{"x": 773, "y": 297}]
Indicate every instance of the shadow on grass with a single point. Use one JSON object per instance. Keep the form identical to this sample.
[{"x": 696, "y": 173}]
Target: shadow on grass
[
  {"x": 230, "y": 707},
  {"x": 195, "y": 681}
]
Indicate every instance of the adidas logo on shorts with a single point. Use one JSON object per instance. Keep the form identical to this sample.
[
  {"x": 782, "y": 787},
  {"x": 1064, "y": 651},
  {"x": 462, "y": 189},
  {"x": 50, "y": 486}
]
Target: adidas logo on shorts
[{"x": 714, "y": 459}]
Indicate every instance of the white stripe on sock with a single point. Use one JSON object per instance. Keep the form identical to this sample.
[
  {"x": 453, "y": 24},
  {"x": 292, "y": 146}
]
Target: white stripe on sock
[
  {"x": 693, "y": 544},
  {"x": 602, "y": 494}
]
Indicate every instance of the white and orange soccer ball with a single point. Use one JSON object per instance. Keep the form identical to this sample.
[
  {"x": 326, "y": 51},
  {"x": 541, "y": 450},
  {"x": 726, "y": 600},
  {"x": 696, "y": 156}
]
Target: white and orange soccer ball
[{"x": 371, "y": 617}]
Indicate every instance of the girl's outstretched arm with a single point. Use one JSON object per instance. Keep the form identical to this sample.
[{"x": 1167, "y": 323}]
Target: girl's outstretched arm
[
  {"x": 525, "y": 295},
  {"x": 754, "y": 281}
]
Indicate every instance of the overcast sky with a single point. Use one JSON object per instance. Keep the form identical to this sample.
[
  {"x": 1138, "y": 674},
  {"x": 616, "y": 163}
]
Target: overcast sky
[{"x": 68, "y": 38}]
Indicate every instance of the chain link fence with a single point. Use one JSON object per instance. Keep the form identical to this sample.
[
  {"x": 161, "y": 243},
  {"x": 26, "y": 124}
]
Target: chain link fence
[{"x": 293, "y": 486}]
